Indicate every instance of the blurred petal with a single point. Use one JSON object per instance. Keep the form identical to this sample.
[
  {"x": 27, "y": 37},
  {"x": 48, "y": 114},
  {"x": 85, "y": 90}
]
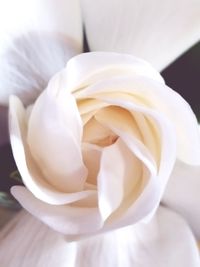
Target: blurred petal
[
  {"x": 18, "y": 17},
  {"x": 69, "y": 220},
  {"x": 182, "y": 194},
  {"x": 165, "y": 242},
  {"x": 154, "y": 30},
  {"x": 55, "y": 128},
  {"x": 37, "y": 38},
  {"x": 31, "y": 175}
]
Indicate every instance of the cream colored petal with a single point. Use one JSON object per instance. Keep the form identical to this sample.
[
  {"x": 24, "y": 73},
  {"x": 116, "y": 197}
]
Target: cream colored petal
[
  {"x": 182, "y": 194},
  {"x": 91, "y": 157},
  {"x": 71, "y": 220},
  {"x": 37, "y": 38},
  {"x": 149, "y": 199},
  {"x": 54, "y": 137},
  {"x": 31, "y": 175},
  {"x": 119, "y": 178},
  {"x": 148, "y": 92},
  {"x": 165, "y": 242},
  {"x": 86, "y": 69},
  {"x": 153, "y": 30}
]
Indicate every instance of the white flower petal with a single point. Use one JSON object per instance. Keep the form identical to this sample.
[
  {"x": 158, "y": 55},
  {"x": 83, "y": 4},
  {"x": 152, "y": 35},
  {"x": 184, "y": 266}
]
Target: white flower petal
[
  {"x": 31, "y": 243},
  {"x": 18, "y": 17},
  {"x": 119, "y": 178},
  {"x": 69, "y": 220},
  {"x": 37, "y": 38},
  {"x": 182, "y": 194},
  {"x": 158, "y": 96},
  {"x": 88, "y": 68},
  {"x": 54, "y": 137},
  {"x": 165, "y": 242},
  {"x": 156, "y": 31},
  {"x": 154, "y": 189},
  {"x": 31, "y": 175}
]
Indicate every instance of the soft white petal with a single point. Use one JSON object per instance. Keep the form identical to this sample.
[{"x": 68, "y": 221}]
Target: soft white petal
[
  {"x": 18, "y": 17},
  {"x": 154, "y": 30},
  {"x": 31, "y": 243},
  {"x": 31, "y": 175},
  {"x": 165, "y": 242},
  {"x": 87, "y": 68},
  {"x": 37, "y": 38},
  {"x": 54, "y": 137},
  {"x": 145, "y": 91},
  {"x": 119, "y": 178},
  {"x": 71, "y": 220},
  {"x": 182, "y": 194}
]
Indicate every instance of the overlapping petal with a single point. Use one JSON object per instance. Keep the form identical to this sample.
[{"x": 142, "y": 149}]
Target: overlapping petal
[
  {"x": 155, "y": 31},
  {"x": 54, "y": 137},
  {"x": 165, "y": 241},
  {"x": 182, "y": 194},
  {"x": 72, "y": 220},
  {"x": 148, "y": 91},
  {"x": 31, "y": 175}
]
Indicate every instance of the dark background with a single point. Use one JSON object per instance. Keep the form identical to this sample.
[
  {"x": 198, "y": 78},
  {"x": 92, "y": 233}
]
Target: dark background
[{"x": 182, "y": 76}]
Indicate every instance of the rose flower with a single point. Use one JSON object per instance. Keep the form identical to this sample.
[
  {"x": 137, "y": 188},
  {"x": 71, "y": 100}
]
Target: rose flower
[{"x": 96, "y": 149}]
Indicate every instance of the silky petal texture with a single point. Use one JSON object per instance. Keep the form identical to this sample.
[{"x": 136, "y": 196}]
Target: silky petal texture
[
  {"x": 145, "y": 90},
  {"x": 37, "y": 38},
  {"x": 165, "y": 242},
  {"x": 117, "y": 182},
  {"x": 31, "y": 175},
  {"x": 145, "y": 204},
  {"x": 88, "y": 68},
  {"x": 155, "y": 31},
  {"x": 182, "y": 194},
  {"x": 55, "y": 128},
  {"x": 73, "y": 221}
]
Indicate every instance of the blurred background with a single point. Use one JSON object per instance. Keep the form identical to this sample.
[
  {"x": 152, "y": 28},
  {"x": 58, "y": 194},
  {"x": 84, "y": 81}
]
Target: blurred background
[{"x": 183, "y": 76}]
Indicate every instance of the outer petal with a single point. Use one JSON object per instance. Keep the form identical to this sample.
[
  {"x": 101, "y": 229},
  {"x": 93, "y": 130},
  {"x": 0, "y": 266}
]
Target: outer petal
[
  {"x": 182, "y": 194},
  {"x": 54, "y": 137},
  {"x": 86, "y": 69},
  {"x": 165, "y": 242},
  {"x": 156, "y": 31},
  {"x": 37, "y": 37},
  {"x": 73, "y": 221},
  {"x": 30, "y": 173}
]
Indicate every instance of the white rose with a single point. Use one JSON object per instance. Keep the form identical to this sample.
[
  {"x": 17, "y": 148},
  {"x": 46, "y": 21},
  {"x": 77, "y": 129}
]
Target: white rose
[{"x": 96, "y": 149}]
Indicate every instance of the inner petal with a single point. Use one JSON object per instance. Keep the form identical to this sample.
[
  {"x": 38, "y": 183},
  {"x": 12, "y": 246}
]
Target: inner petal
[
  {"x": 119, "y": 176},
  {"x": 91, "y": 157},
  {"x": 96, "y": 133}
]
